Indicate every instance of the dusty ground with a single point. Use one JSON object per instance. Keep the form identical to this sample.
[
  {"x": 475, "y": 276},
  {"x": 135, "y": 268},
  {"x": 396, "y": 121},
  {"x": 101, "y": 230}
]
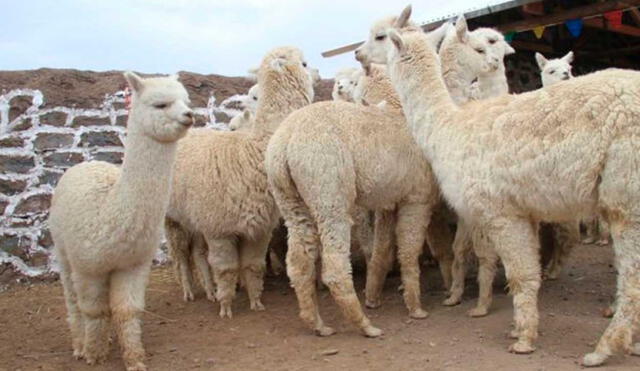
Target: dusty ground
[{"x": 180, "y": 336}]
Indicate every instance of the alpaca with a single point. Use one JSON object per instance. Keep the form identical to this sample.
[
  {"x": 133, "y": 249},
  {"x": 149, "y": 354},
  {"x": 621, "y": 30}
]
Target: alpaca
[
  {"x": 251, "y": 101},
  {"x": 554, "y": 70},
  {"x": 242, "y": 122},
  {"x": 220, "y": 188},
  {"x": 324, "y": 162},
  {"x": 507, "y": 163},
  {"x": 106, "y": 223},
  {"x": 346, "y": 80}
]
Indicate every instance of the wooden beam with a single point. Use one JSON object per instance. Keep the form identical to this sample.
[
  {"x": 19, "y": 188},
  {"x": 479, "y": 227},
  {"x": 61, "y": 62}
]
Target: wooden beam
[
  {"x": 635, "y": 14},
  {"x": 601, "y": 24},
  {"x": 559, "y": 17},
  {"x": 342, "y": 49},
  {"x": 531, "y": 46}
]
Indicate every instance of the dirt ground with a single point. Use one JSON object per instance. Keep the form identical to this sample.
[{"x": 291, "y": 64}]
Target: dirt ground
[{"x": 181, "y": 336}]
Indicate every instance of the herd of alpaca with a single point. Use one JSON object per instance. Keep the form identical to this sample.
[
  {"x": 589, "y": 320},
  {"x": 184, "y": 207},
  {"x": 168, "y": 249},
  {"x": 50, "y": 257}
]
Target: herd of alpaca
[{"x": 425, "y": 135}]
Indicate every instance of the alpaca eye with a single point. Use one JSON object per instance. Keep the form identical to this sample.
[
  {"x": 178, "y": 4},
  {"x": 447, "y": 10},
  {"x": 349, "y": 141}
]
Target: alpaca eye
[
  {"x": 380, "y": 37},
  {"x": 160, "y": 105},
  {"x": 552, "y": 72},
  {"x": 304, "y": 64},
  {"x": 481, "y": 51},
  {"x": 492, "y": 41},
  {"x": 255, "y": 98}
]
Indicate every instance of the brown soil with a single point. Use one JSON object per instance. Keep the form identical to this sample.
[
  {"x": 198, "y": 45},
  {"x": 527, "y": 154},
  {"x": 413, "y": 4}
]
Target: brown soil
[{"x": 180, "y": 336}]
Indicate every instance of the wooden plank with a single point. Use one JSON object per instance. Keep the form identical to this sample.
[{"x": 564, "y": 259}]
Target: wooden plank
[
  {"x": 635, "y": 14},
  {"x": 622, "y": 29},
  {"x": 342, "y": 49},
  {"x": 532, "y": 46},
  {"x": 560, "y": 17}
]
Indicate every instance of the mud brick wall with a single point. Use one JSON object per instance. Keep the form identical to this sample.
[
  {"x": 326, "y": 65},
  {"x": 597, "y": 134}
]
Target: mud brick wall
[{"x": 51, "y": 120}]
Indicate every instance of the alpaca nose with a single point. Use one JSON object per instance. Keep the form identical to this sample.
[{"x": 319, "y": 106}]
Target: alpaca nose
[
  {"x": 359, "y": 56},
  {"x": 339, "y": 87},
  {"x": 189, "y": 119}
]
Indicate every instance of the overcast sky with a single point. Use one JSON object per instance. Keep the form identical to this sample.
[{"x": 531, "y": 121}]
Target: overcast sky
[{"x": 224, "y": 37}]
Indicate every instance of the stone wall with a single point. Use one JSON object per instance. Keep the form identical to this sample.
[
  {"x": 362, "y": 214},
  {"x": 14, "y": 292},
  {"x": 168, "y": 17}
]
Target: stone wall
[{"x": 51, "y": 120}]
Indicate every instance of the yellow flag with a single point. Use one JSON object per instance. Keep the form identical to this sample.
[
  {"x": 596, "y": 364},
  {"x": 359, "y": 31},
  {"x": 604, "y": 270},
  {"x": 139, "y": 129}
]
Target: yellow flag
[{"x": 538, "y": 31}]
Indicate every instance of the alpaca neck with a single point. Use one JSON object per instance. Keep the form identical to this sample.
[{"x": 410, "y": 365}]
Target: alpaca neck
[
  {"x": 278, "y": 100},
  {"x": 143, "y": 187},
  {"x": 493, "y": 84},
  {"x": 425, "y": 99},
  {"x": 458, "y": 81}
]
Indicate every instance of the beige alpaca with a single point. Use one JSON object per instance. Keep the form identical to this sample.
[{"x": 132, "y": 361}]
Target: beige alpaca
[
  {"x": 324, "y": 162},
  {"x": 345, "y": 83},
  {"x": 553, "y": 71},
  {"x": 220, "y": 188},
  {"x": 508, "y": 162},
  {"x": 107, "y": 222},
  {"x": 242, "y": 122}
]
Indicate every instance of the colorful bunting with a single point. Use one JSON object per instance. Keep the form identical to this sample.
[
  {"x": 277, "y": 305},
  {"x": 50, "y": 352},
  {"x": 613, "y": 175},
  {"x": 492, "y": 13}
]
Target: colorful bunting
[
  {"x": 574, "y": 26},
  {"x": 508, "y": 37},
  {"x": 538, "y": 31},
  {"x": 614, "y": 18}
]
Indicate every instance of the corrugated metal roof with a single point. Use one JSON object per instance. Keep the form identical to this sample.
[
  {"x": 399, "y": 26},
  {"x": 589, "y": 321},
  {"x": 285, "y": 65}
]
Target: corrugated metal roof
[{"x": 490, "y": 6}]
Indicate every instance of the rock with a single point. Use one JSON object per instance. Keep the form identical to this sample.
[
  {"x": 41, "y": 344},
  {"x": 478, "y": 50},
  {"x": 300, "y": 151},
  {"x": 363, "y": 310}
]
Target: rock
[
  {"x": 3, "y": 206},
  {"x": 11, "y": 141},
  {"x": 221, "y": 117},
  {"x": 122, "y": 120},
  {"x": 16, "y": 164},
  {"x": 57, "y": 119},
  {"x": 49, "y": 177},
  {"x": 112, "y": 157},
  {"x": 48, "y": 141},
  {"x": 329, "y": 352},
  {"x": 63, "y": 159},
  {"x": 100, "y": 139},
  {"x": 18, "y": 106},
  {"x": 200, "y": 120},
  {"x": 24, "y": 124},
  {"x": 38, "y": 203},
  {"x": 12, "y": 187},
  {"x": 15, "y": 245},
  {"x": 44, "y": 238},
  {"x": 79, "y": 121},
  {"x": 38, "y": 259}
]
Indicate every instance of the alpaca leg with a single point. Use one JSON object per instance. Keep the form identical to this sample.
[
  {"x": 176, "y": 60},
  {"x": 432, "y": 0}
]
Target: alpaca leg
[
  {"x": 363, "y": 232},
  {"x": 591, "y": 230},
  {"x": 278, "y": 249},
  {"x": 274, "y": 262},
  {"x": 567, "y": 236},
  {"x": 461, "y": 244},
  {"x": 487, "y": 264},
  {"x": 440, "y": 240},
  {"x": 199, "y": 254},
  {"x": 516, "y": 242},
  {"x": 74, "y": 316},
  {"x": 619, "y": 334},
  {"x": 179, "y": 241},
  {"x": 604, "y": 236},
  {"x": 253, "y": 256},
  {"x": 302, "y": 255},
  {"x": 93, "y": 301},
  {"x": 381, "y": 258},
  {"x": 127, "y": 303},
  {"x": 335, "y": 235},
  {"x": 223, "y": 257},
  {"x": 410, "y": 236}
]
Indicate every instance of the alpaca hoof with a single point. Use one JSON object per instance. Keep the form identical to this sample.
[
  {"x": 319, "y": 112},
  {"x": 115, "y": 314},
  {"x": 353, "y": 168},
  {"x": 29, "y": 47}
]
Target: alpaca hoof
[
  {"x": 635, "y": 349},
  {"x": 401, "y": 288},
  {"x": 594, "y": 359},
  {"x": 372, "y": 303},
  {"x": 77, "y": 354},
  {"x": 188, "y": 296},
  {"x": 257, "y": 306},
  {"x": 225, "y": 310},
  {"x": 550, "y": 276},
  {"x": 602, "y": 242},
  {"x": 588, "y": 240},
  {"x": 94, "y": 360},
  {"x": 478, "y": 312},
  {"x": 139, "y": 366},
  {"x": 608, "y": 312},
  {"x": 451, "y": 301},
  {"x": 514, "y": 334},
  {"x": 211, "y": 297},
  {"x": 324, "y": 331},
  {"x": 419, "y": 314},
  {"x": 371, "y": 332},
  {"x": 521, "y": 347}
]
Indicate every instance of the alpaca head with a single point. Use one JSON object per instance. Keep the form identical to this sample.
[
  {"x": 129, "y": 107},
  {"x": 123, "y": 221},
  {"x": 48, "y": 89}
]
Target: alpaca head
[
  {"x": 554, "y": 70},
  {"x": 284, "y": 74},
  {"x": 160, "y": 107},
  {"x": 241, "y": 121},
  {"x": 476, "y": 52},
  {"x": 250, "y": 102},
  {"x": 374, "y": 49},
  {"x": 346, "y": 81}
]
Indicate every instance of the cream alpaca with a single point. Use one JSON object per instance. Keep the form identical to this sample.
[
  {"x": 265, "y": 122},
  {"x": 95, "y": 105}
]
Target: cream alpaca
[
  {"x": 554, "y": 70},
  {"x": 106, "y": 223},
  {"x": 242, "y": 122},
  {"x": 220, "y": 188},
  {"x": 345, "y": 83},
  {"x": 506, "y": 163}
]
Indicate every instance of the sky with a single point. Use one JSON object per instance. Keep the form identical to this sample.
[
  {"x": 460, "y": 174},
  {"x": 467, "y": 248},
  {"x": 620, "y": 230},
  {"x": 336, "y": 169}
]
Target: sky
[{"x": 225, "y": 37}]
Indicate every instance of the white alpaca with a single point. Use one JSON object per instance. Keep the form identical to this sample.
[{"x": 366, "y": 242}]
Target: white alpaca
[
  {"x": 242, "y": 122},
  {"x": 554, "y": 70},
  {"x": 345, "y": 83},
  {"x": 106, "y": 223},
  {"x": 220, "y": 188},
  {"x": 506, "y": 163}
]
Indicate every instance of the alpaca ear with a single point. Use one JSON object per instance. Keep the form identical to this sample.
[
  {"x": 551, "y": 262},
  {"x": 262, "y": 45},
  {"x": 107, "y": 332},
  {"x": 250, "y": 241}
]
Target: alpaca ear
[
  {"x": 436, "y": 36},
  {"x": 568, "y": 58},
  {"x": 174, "y": 76},
  {"x": 253, "y": 73},
  {"x": 508, "y": 50},
  {"x": 541, "y": 60},
  {"x": 278, "y": 63},
  {"x": 246, "y": 114},
  {"x": 135, "y": 82},
  {"x": 403, "y": 19},
  {"x": 396, "y": 39},
  {"x": 461, "y": 29}
]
